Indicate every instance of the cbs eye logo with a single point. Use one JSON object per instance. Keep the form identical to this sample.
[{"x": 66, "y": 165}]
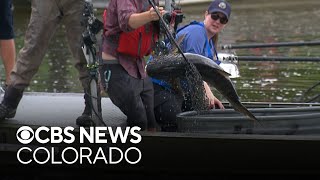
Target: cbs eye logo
[{"x": 25, "y": 134}]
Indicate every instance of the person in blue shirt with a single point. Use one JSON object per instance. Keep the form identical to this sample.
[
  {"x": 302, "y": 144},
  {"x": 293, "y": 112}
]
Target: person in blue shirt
[{"x": 199, "y": 38}]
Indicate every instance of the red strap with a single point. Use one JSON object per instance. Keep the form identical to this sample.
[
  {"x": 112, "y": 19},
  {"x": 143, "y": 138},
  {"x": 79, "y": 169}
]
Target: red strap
[{"x": 104, "y": 16}]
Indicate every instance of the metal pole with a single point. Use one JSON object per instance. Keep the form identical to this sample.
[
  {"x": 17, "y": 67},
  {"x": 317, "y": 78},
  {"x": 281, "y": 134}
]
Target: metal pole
[
  {"x": 266, "y": 45},
  {"x": 168, "y": 5},
  {"x": 278, "y": 58}
]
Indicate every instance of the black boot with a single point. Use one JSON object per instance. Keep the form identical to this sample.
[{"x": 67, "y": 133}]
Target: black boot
[
  {"x": 10, "y": 102},
  {"x": 85, "y": 119}
]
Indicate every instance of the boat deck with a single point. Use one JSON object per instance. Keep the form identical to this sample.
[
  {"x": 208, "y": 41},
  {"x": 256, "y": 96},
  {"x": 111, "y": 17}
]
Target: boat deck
[{"x": 60, "y": 109}]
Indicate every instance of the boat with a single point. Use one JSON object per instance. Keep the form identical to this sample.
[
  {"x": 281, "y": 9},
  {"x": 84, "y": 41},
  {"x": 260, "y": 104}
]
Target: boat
[
  {"x": 274, "y": 118},
  {"x": 164, "y": 154},
  {"x": 61, "y": 109}
]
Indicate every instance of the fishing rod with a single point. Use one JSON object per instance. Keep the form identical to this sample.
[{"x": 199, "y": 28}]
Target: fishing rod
[
  {"x": 266, "y": 45},
  {"x": 314, "y": 98},
  {"x": 309, "y": 90},
  {"x": 277, "y": 58}
]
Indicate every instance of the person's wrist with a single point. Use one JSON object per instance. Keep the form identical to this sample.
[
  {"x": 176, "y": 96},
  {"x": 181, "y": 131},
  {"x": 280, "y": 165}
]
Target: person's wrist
[{"x": 153, "y": 14}]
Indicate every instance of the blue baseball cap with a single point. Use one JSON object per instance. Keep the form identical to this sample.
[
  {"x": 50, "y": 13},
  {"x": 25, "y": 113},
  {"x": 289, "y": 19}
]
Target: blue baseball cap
[{"x": 220, "y": 6}]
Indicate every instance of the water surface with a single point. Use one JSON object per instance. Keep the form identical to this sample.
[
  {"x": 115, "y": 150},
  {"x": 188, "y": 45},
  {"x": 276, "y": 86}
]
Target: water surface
[{"x": 262, "y": 21}]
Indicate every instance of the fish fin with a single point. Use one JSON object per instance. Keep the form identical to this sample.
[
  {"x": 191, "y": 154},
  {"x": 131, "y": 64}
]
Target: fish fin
[
  {"x": 242, "y": 109},
  {"x": 252, "y": 117},
  {"x": 224, "y": 73},
  {"x": 179, "y": 41}
]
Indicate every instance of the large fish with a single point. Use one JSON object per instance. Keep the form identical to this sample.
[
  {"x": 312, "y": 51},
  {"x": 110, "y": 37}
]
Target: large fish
[{"x": 174, "y": 67}]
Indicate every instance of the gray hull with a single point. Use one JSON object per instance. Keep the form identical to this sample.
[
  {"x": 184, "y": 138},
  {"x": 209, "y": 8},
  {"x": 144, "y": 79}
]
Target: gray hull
[
  {"x": 163, "y": 154},
  {"x": 61, "y": 109},
  {"x": 184, "y": 154},
  {"x": 277, "y": 119}
]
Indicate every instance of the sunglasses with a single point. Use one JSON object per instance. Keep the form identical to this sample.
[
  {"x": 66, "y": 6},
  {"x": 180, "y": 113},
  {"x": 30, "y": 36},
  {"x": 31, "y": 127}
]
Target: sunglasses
[{"x": 223, "y": 19}]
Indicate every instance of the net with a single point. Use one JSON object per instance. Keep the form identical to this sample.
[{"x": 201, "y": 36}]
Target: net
[{"x": 183, "y": 77}]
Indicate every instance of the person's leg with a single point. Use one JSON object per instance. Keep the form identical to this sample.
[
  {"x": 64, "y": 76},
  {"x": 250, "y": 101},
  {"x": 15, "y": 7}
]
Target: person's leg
[
  {"x": 124, "y": 91},
  {"x": 167, "y": 106},
  {"x": 43, "y": 23},
  {"x": 147, "y": 97},
  {"x": 73, "y": 10},
  {"x": 7, "y": 46},
  {"x": 8, "y": 55}
]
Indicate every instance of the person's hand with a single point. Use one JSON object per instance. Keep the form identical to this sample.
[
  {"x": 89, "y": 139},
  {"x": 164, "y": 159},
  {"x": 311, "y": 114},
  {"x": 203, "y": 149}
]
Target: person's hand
[
  {"x": 153, "y": 14},
  {"x": 213, "y": 101}
]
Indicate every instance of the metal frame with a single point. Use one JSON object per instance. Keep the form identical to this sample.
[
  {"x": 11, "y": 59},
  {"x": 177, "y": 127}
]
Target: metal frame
[{"x": 93, "y": 26}]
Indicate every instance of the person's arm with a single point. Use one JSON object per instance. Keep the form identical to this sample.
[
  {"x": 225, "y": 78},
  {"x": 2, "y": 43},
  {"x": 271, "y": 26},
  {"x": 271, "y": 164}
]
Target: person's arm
[
  {"x": 128, "y": 17},
  {"x": 212, "y": 99},
  {"x": 194, "y": 41},
  {"x": 138, "y": 19}
]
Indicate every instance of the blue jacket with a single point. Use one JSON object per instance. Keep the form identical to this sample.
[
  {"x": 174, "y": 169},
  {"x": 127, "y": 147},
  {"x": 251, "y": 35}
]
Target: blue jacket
[{"x": 196, "y": 41}]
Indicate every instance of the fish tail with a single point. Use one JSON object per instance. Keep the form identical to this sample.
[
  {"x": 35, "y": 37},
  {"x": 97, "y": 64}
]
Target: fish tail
[
  {"x": 240, "y": 108},
  {"x": 252, "y": 117}
]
